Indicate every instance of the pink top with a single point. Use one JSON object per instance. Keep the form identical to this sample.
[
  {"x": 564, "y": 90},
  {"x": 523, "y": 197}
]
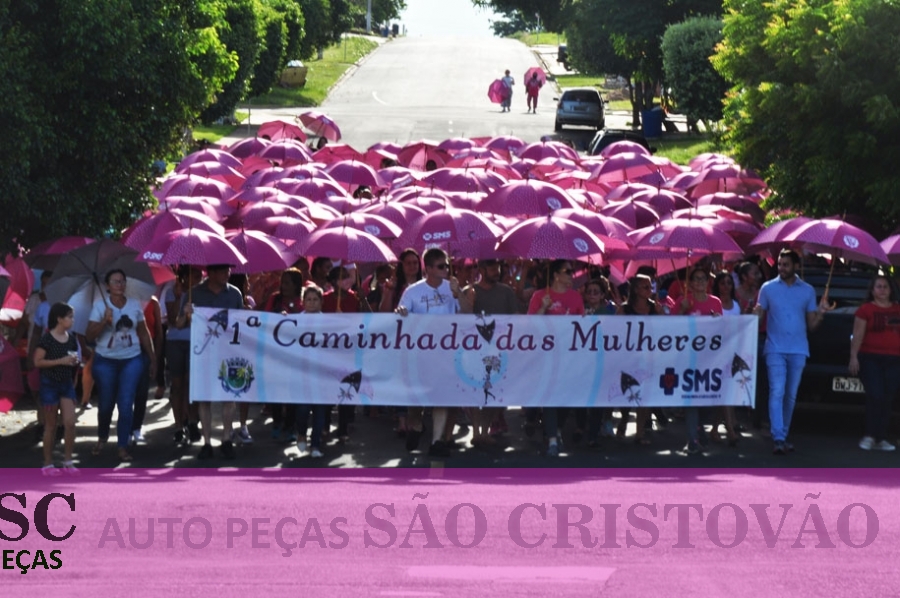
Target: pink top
[
  {"x": 568, "y": 303},
  {"x": 711, "y": 306}
]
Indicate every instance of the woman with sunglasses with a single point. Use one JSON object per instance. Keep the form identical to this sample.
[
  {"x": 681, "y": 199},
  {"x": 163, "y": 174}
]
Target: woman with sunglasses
[{"x": 556, "y": 299}]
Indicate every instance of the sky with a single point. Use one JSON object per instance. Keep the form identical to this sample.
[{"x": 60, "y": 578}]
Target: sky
[{"x": 445, "y": 17}]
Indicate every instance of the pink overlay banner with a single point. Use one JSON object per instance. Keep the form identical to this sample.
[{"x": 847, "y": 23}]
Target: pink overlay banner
[
  {"x": 473, "y": 360},
  {"x": 443, "y": 532}
]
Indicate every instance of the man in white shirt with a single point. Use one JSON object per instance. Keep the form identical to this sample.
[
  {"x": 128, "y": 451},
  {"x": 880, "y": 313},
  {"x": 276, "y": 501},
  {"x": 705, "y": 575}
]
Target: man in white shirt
[{"x": 437, "y": 293}]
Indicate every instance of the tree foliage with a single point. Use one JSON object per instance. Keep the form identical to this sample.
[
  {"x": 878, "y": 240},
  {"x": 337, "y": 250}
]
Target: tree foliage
[
  {"x": 555, "y": 14},
  {"x": 271, "y": 58},
  {"x": 383, "y": 11},
  {"x": 317, "y": 14},
  {"x": 241, "y": 34},
  {"x": 698, "y": 88},
  {"x": 96, "y": 91},
  {"x": 814, "y": 102},
  {"x": 295, "y": 23}
]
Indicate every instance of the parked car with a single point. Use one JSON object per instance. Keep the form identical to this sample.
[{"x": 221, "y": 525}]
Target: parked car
[
  {"x": 581, "y": 106},
  {"x": 608, "y": 136}
]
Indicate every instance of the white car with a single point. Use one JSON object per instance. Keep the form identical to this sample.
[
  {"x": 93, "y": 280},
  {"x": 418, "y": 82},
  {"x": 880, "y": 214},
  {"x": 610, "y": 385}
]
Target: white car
[{"x": 582, "y": 106}]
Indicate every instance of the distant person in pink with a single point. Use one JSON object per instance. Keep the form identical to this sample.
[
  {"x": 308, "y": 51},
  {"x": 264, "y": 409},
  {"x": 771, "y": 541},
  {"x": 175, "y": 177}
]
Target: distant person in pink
[{"x": 532, "y": 89}]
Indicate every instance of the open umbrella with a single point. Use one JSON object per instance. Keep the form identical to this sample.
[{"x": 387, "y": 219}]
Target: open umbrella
[
  {"x": 320, "y": 125},
  {"x": 263, "y": 252},
  {"x": 20, "y": 284},
  {"x": 251, "y": 146},
  {"x": 279, "y": 129},
  {"x": 44, "y": 256},
  {"x": 209, "y": 155},
  {"x": 352, "y": 174},
  {"x": 497, "y": 91},
  {"x": 526, "y": 197},
  {"x": 336, "y": 152},
  {"x": 542, "y": 76},
  {"x": 346, "y": 244},
  {"x": 78, "y": 277},
  {"x": 286, "y": 152},
  {"x": 550, "y": 237},
  {"x": 11, "y": 387},
  {"x": 141, "y": 233},
  {"x": 195, "y": 186},
  {"x": 462, "y": 233},
  {"x": 774, "y": 236},
  {"x": 417, "y": 154},
  {"x": 370, "y": 223},
  {"x": 192, "y": 246}
]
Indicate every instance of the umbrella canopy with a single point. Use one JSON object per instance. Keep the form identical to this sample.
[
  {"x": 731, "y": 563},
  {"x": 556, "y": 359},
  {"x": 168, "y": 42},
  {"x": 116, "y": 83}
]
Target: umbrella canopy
[
  {"x": 279, "y": 129},
  {"x": 401, "y": 214},
  {"x": 417, "y": 155},
  {"x": 320, "y": 125},
  {"x": 839, "y": 238},
  {"x": 526, "y": 197},
  {"x": 346, "y": 244},
  {"x": 728, "y": 178},
  {"x": 194, "y": 247},
  {"x": 548, "y": 149},
  {"x": 693, "y": 236},
  {"x": 891, "y": 247},
  {"x": 212, "y": 208},
  {"x": 263, "y": 253},
  {"x": 209, "y": 155},
  {"x": 635, "y": 214},
  {"x": 625, "y": 167},
  {"x": 44, "y": 256},
  {"x": 613, "y": 232},
  {"x": 541, "y": 75},
  {"x": 289, "y": 230},
  {"x": 144, "y": 231},
  {"x": 11, "y": 387},
  {"x": 370, "y": 223},
  {"x": 550, "y": 237},
  {"x": 506, "y": 144},
  {"x": 622, "y": 147},
  {"x": 454, "y": 145},
  {"x": 352, "y": 174},
  {"x": 79, "y": 275},
  {"x": 461, "y": 179},
  {"x": 336, "y": 152},
  {"x": 774, "y": 236},
  {"x": 220, "y": 172},
  {"x": 740, "y": 203},
  {"x": 462, "y": 233},
  {"x": 286, "y": 152},
  {"x": 195, "y": 186},
  {"x": 497, "y": 91},
  {"x": 250, "y": 146},
  {"x": 20, "y": 284}
]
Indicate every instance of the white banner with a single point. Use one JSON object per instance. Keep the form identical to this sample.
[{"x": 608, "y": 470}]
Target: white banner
[{"x": 468, "y": 360}]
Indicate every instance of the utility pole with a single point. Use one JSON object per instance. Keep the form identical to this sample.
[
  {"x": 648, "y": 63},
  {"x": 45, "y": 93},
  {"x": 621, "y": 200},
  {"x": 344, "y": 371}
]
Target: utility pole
[{"x": 369, "y": 16}]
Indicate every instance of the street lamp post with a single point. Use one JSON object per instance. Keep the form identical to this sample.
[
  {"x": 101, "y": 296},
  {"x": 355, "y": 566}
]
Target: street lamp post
[{"x": 369, "y": 16}]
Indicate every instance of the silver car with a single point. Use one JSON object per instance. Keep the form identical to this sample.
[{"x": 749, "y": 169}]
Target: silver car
[{"x": 580, "y": 106}]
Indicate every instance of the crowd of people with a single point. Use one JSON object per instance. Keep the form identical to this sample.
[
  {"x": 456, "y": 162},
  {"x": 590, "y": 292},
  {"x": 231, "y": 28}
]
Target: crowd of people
[{"x": 127, "y": 346}]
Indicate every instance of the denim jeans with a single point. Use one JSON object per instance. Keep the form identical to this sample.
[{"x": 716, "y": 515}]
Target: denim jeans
[
  {"x": 785, "y": 372},
  {"x": 117, "y": 380},
  {"x": 141, "y": 395},
  {"x": 880, "y": 374},
  {"x": 318, "y": 423}
]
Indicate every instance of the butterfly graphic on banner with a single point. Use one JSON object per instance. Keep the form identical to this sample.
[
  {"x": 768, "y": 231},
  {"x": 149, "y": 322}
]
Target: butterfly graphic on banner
[{"x": 353, "y": 382}]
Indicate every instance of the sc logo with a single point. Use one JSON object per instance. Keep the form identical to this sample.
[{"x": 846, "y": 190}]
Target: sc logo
[{"x": 40, "y": 516}]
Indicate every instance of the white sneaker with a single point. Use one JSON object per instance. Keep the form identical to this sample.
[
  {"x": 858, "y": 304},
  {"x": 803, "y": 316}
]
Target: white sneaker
[
  {"x": 50, "y": 471},
  {"x": 867, "y": 443},
  {"x": 316, "y": 454},
  {"x": 301, "y": 446},
  {"x": 137, "y": 437},
  {"x": 884, "y": 445},
  {"x": 243, "y": 435}
]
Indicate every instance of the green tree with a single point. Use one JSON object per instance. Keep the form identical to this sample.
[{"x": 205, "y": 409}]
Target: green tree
[
  {"x": 241, "y": 34},
  {"x": 271, "y": 59},
  {"x": 96, "y": 92},
  {"x": 698, "y": 88},
  {"x": 295, "y": 23},
  {"x": 813, "y": 105},
  {"x": 383, "y": 11},
  {"x": 555, "y": 14},
  {"x": 317, "y": 14}
]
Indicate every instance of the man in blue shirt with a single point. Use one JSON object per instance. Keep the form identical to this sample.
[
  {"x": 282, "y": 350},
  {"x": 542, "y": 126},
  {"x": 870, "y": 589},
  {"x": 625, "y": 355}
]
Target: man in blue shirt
[{"x": 789, "y": 305}]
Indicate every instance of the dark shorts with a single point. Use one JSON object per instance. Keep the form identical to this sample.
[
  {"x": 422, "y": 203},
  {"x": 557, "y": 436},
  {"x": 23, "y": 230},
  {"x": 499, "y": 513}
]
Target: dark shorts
[
  {"x": 178, "y": 358},
  {"x": 52, "y": 391}
]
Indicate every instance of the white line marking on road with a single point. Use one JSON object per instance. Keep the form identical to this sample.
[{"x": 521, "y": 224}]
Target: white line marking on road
[{"x": 379, "y": 100}]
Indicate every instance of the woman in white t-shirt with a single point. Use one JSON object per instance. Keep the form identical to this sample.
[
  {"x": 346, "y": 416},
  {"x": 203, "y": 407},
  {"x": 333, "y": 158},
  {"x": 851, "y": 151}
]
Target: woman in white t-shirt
[{"x": 117, "y": 325}]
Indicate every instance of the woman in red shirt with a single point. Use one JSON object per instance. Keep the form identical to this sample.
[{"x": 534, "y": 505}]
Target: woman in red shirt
[{"x": 875, "y": 356}]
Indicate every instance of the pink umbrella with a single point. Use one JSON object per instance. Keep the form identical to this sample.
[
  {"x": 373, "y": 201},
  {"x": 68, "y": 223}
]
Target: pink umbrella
[
  {"x": 663, "y": 201},
  {"x": 21, "y": 283},
  {"x": 398, "y": 176},
  {"x": 463, "y": 233},
  {"x": 286, "y": 152},
  {"x": 740, "y": 230},
  {"x": 741, "y": 203},
  {"x": 587, "y": 198},
  {"x": 320, "y": 125},
  {"x": 401, "y": 214},
  {"x": 217, "y": 171},
  {"x": 192, "y": 246},
  {"x": 417, "y": 154},
  {"x": 550, "y": 237},
  {"x": 462, "y": 157},
  {"x": 252, "y": 195},
  {"x": 285, "y": 228},
  {"x": 548, "y": 166},
  {"x": 635, "y": 214},
  {"x": 378, "y": 157},
  {"x": 263, "y": 253},
  {"x": 692, "y": 236},
  {"x": 337, "y": 152},
  {"x": 496, "y": 165},
  {"x": 146, "y": 230},
  {"x": 388, "y": 146},
  {"x": 250, "y": 146},
  {"x": 255, "y": 212},
  {"x": 266, "y": 177},
  {"x": 323, "y": 192},
  {"x": 456, "y": 144},
  {"x": 497, "y": 91},
  {"x": 729, "y": 178},
  {"x": 369, "y": 223},
  {"x": 527, "y": 197},
  {"x": 195, "y": 186},
  {"x": 621, "y": 168},
  {"x": 612, "y": 231},
  {"x": 351, "y": 174},
  {"x": 506, "y": 143},
  {"x": 838, "y": 238},
  {"x": 579, "y": 180},
  {"x": 891, "y": 247},
  {"x": 215, "y": 156},
  {"x": 346, "y": 244},
  {"x": 622, "y": 147},
  {"x": 542, "y": 76},
  {"x": 210, "y": 207},
  {"x": 548, "y": 149},
  {"x": 253, "y": 164},
  {"x": 699, "y": 161},
  {"x": 773, "y": 237},
  {"x": 44, "y": 256},
  {"x": 460, "y": 179},
  {"x": 279, "y": 129}
]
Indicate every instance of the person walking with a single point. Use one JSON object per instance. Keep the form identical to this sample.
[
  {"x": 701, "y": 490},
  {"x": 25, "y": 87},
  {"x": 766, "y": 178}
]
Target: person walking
[
  {"x": 789, "y": 307},
  {"x": 508, "y": 83},
  {"x": 875, "y": 356},
  {"x": 532, "y": 89}
]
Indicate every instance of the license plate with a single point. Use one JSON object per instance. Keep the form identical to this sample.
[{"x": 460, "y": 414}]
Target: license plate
[
  {"x": 839, "y": 384},
  {"x": 580, "y": 108}
]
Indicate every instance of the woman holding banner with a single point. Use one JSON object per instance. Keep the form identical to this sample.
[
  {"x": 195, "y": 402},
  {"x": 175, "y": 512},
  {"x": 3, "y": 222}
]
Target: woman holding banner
[
  {"x": 558, "y": 298},
  {"x": 639, "y": 303}
]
